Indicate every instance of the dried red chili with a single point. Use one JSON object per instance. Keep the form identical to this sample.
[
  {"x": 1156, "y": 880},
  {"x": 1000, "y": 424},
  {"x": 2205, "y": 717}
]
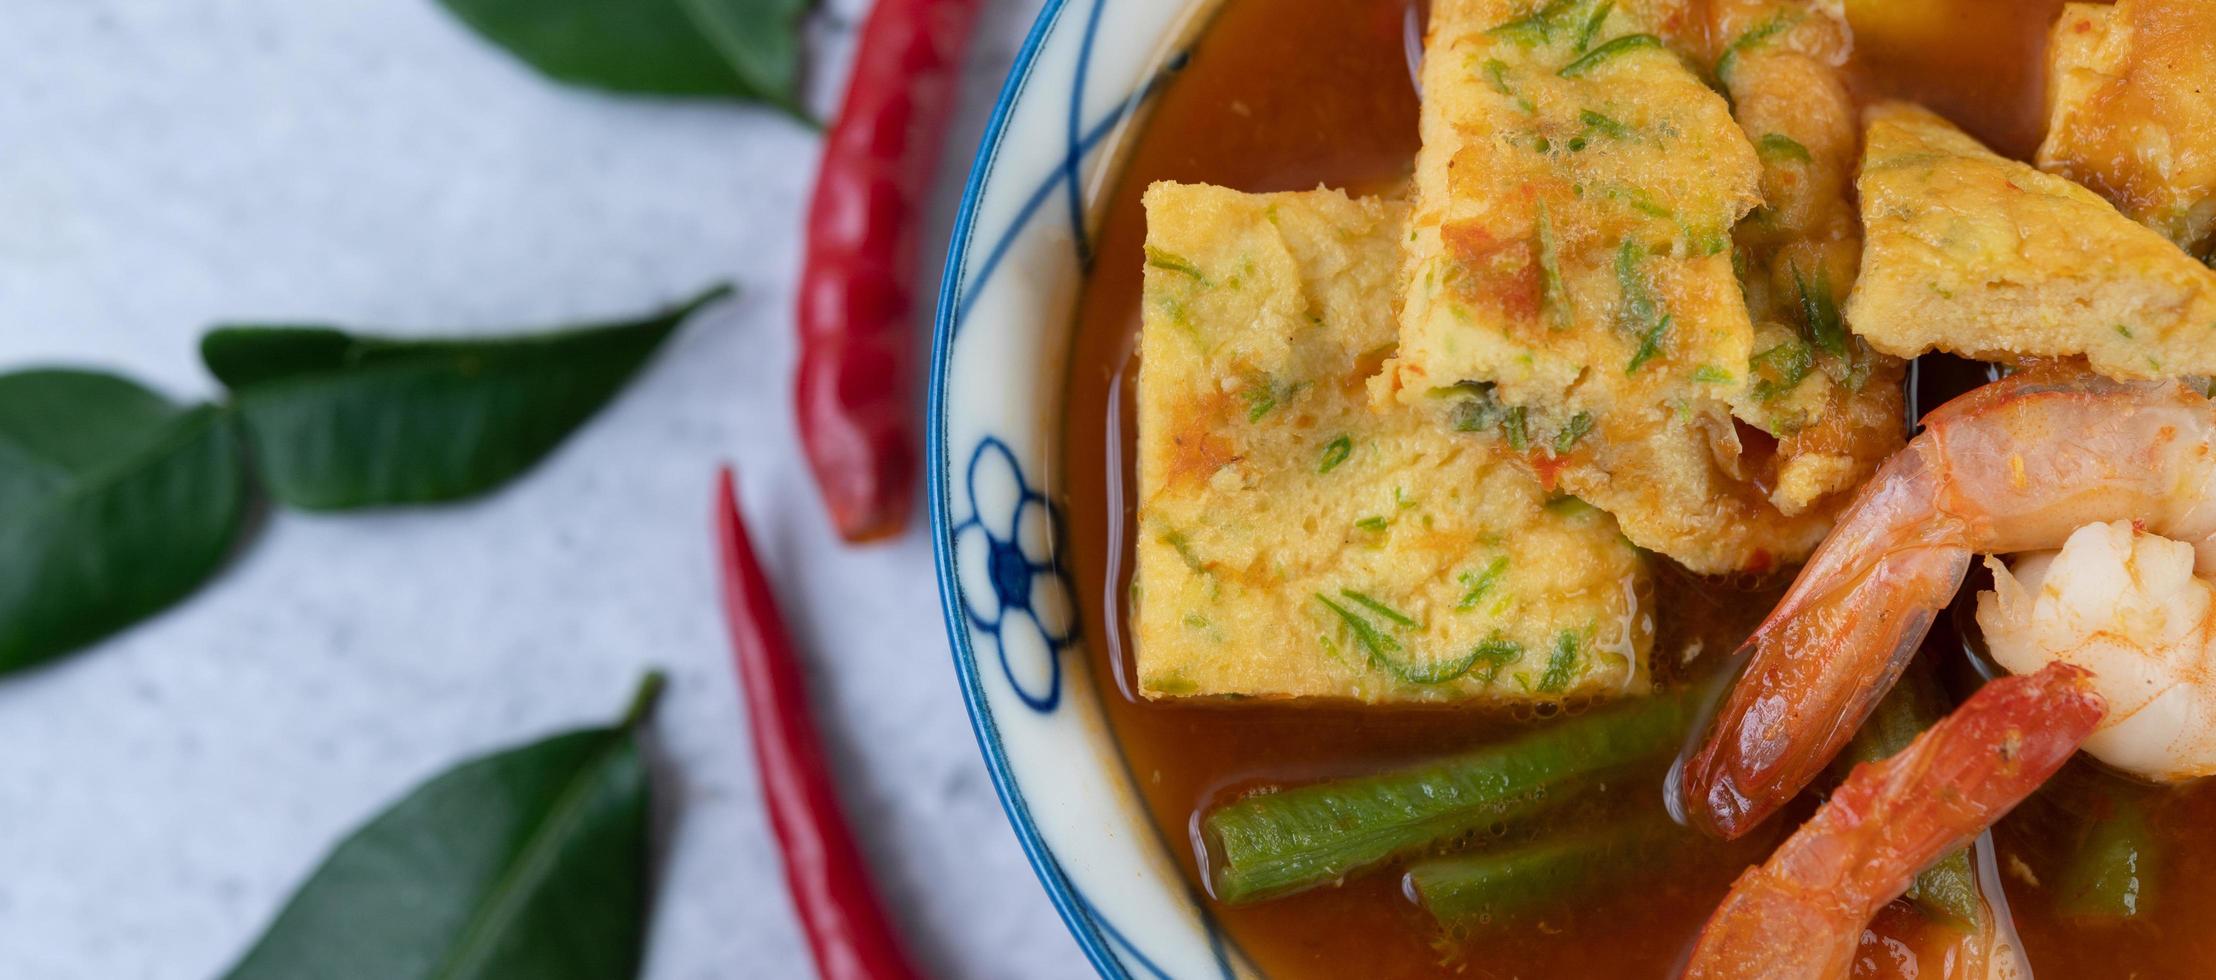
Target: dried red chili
[
  {"x": 854, "y": 392},
  {"x": 847, "y": 928}
]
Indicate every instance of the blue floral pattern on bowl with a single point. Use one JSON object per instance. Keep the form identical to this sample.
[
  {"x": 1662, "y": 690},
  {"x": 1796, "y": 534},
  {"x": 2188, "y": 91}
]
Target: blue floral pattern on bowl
[{"x": 1014, "y": 535}]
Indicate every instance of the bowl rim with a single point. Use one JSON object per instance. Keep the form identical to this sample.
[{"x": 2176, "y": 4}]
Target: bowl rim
[{"x": 1067, "y": 904}]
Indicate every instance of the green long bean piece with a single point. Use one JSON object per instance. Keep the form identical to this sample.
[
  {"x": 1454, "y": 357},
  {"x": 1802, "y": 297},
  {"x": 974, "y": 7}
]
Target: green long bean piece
[
  {"x": 1273, "y": 844},
  {"x": 1491, "y": 889},
  {"x": 1948, "y": 889},
  {"x": 2109, "y": 874}
]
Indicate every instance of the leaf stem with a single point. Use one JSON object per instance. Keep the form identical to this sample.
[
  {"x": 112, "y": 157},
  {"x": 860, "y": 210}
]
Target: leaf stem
[
  {"x": 713, "y": 294},
  {"x": 643, "y": 701}
]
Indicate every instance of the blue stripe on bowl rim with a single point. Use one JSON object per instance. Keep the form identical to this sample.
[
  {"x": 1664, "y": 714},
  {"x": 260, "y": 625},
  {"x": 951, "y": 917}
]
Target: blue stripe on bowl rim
[
  {"x": 1095, "y": 935},
  {"x": 1074, "y": 912}
]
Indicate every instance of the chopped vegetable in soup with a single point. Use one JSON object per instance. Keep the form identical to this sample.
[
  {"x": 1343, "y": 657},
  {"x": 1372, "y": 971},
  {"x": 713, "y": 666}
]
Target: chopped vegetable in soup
[{"x": 1442, "y": 469}]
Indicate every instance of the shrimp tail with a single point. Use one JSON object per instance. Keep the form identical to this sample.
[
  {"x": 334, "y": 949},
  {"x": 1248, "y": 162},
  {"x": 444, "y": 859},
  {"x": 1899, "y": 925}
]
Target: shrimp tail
[
  {"x": 1835, "y": 644},
  {"x": 1802, "y": 913}
]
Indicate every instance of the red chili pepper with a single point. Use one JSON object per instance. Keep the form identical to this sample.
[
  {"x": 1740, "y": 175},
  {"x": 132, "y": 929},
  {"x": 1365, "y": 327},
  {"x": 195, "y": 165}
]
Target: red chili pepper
[
  {"x": 847, "y": 928},
  {"x": 854, "y": 391}
]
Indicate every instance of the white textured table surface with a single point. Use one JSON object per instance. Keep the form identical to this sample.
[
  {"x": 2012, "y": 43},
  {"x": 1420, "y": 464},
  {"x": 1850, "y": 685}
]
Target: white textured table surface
[{"x": 165, "y": 164}]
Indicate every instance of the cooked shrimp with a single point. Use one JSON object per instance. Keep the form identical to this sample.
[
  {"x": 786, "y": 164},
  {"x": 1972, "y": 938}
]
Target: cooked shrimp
[
  {"x": 2125, "y": 605},
  {"x": 2013, "y": 466},
  {"x": 1802, "y": 912}
]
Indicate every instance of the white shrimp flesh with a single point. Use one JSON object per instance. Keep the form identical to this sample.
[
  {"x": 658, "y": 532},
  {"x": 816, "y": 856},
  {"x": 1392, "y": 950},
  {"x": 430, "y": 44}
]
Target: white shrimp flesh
[{"x": 2125, "y": 605}]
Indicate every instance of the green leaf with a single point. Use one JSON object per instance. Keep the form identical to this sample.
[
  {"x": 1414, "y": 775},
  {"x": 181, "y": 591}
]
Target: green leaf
[
  {"x": 1479, "y": 583},
  {"x": 342, "y": 421},
  {"x": 1561, "y": 665},
  {"x": 526, "y": 863},
  {"x": 1552, "y": 294},
  {"x": 1650, "y": 344},
  {"x": 114, "y": 504},
  {"x": 1759, "y": 35},
  {"x": 746, "y": 49},
  {"x": 1172, "y": 262},
  {"x": 760, "y": 39},
  {"x": 1537, "y": 26},
  {"x": 1374, "y": 641},
  {"x": 1640, "y": 309},
  {"x": 1820, "y": 311},
  {"x": 1388, "y": 612},
  {"x": 1778, "y": 146},
  {"x": 1605, "y": 125},
  {"x": 1592, "y": 60},
  {"x": 1572, "y": 431},
  {"x": 1780, "y": 369},
  {"x": 1593, "y": 21},
  {"x": 1335, "y": 452},
  {"x": 1478, "y": 410}
]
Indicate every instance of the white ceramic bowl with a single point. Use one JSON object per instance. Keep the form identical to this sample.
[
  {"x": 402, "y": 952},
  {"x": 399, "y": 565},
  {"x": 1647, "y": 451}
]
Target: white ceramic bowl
[{"x": 1007, "y": 312}]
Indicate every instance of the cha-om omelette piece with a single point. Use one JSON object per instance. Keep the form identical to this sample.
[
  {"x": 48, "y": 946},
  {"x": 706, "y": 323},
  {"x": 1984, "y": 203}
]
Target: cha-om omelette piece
[
  {"x": 1986, "y": 257},
  {"x": 1571, "y": 269},
  {"x": 2132, "y": 111},
  {"x": 1832, "y": 403},
  {"x": 1292, "y": 542}
]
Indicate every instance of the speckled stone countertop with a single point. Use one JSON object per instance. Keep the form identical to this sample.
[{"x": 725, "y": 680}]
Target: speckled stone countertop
[{"x": 166, "y": 164}]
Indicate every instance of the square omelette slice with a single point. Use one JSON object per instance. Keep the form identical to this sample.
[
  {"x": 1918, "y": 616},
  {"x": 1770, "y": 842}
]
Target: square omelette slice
[
  {"x": 1976, "y": 254},
  {"x": 1576, "y": 192},
  {"x": 1293, "y": 542}
]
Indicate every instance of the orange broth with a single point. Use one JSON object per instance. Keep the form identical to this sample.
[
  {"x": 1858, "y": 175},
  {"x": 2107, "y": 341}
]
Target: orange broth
[{"x": 1289, "y": 94}]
